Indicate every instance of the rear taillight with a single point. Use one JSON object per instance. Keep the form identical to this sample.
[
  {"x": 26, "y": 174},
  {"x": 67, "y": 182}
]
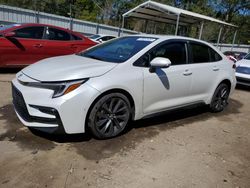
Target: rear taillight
[{"x": 234, "y": 66}]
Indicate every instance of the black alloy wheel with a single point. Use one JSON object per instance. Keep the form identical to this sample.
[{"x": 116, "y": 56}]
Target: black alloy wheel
[
  {"x": 109, "y": 116},
  {"x": 220, "y": 98}
]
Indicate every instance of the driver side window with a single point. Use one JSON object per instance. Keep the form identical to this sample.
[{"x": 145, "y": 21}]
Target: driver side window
[{"x": 174, "y": 51}]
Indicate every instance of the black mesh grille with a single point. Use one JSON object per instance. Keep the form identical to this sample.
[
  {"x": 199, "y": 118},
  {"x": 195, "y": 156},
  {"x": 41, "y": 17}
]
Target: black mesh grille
[
  {"x": 21, "y": 109},
  {"x": 19, "y": 103}
]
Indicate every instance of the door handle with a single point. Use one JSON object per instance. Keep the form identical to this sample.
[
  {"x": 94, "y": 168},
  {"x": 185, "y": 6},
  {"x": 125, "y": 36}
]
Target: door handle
[
  {"x": 187, "y": 73},
  {"x": 216, "y": 68},
  {"x": 38, "y": 45}
]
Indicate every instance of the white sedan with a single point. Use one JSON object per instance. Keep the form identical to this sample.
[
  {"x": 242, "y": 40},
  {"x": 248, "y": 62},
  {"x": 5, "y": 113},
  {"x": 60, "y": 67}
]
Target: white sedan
[
  {"x": 129, "y": 78},
  {"x": 100, "y": 38},
  {"x": 243, "y": 71}
]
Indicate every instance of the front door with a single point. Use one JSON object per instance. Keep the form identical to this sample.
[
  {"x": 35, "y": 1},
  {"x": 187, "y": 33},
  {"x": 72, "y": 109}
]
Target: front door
[
  {"x": 167, "y": 87},
  {"x": 58, "y": 42},
  {"x": 24, "y": 48}
]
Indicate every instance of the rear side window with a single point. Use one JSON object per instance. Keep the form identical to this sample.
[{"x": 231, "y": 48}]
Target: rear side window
[
  {"x": 175, "y": 52},
  {"x": 56, "y": 34},
  {"x": 30, "y": 32},
  {"x": 200, "y": 53},
  {"x": 74, "y": 37},
  {"x": 107, "y": 38},
  {"x": 214, "y": 56},
  {"x": 203, "y": 54}
]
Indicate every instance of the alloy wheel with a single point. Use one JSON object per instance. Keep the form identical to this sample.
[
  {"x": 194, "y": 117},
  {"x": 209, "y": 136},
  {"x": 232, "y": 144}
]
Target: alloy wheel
[{"x": 112, "y": 117}]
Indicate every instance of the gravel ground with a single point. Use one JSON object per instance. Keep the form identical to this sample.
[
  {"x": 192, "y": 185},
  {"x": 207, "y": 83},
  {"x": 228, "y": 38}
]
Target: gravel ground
[{"x": 187, "y": 148}]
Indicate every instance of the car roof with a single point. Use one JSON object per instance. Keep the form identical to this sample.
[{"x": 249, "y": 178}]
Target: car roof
[
  {"x": 48, "y": 25},
  {"x": 243, "y": 63},
  {"x": 167, "y": 37}
]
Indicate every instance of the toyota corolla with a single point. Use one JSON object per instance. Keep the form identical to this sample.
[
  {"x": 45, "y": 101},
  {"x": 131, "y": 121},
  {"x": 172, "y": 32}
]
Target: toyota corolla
[{"x": 128, "y": 78}]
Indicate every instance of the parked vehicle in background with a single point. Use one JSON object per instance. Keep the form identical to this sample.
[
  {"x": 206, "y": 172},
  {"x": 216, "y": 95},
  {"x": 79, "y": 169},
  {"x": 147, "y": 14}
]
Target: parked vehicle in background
[
  {"x": 243, "y": 71},
  {"x": 24, "y": 44},
  {"x": 101, "y": 38},
  {"x": 101, "y": 89},
  {"x": 235, "y": 55}
]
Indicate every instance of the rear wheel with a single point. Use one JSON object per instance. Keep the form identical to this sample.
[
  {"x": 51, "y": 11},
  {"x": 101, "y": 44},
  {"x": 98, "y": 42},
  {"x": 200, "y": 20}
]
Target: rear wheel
[
  {"x": 220, "y": 98},
  {"x": 109, "y": 116}
]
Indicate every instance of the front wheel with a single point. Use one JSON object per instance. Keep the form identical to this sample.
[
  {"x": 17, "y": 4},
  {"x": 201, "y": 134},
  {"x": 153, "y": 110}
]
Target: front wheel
[
  {"x": 220, "y": 98},
  {"x": 109, "y": 116}
]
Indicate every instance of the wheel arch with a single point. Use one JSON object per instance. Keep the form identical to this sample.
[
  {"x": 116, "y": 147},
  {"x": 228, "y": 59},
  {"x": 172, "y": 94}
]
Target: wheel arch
[
  {"x": 115, "y": 90},
  {"x": 227, "y": 82}
]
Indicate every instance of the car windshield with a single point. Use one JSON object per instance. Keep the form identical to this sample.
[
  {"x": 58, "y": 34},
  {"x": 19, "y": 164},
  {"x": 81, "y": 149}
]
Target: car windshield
[
  {"x": 94, "y": 36},
  {"x": 247, "y": 57},
  {"x": 7, "y": 26},
  {"x": 243, "y": 70},
  {"x": 118, "y": 50}
]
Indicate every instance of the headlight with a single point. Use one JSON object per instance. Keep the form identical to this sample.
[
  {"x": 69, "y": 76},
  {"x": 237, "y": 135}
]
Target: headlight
[{"x": 59, "y": 88}]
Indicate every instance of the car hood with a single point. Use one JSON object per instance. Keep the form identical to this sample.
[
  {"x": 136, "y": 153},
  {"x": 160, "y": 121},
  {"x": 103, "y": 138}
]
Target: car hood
[{"x": 70, "y": 67}]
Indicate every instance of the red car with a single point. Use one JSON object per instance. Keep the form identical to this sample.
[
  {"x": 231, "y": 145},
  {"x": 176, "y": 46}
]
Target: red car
[{"x": 24, "y": 44}]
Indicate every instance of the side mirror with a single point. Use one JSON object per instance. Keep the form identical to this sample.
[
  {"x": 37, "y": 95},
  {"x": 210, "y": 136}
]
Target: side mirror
[
  {"x": 100, "y": 40},
  {"x": 9, "y": 34},
  {"x": 159, "y": 62}
]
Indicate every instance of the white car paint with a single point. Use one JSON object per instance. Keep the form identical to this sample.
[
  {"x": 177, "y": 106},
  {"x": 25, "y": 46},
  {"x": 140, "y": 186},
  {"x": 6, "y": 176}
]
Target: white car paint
[
  {"x": 100, "y": 38},
  {"x": 167, "y": 88},
  {"x": 243, "y": 78}
]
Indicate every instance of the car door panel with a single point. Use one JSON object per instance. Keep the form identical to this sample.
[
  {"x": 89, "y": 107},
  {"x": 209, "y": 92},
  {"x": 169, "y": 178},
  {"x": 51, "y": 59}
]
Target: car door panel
[
  {"x": 167, "y": 87},
  {"x": 23, "y": 48},
  {"x": 205, "y": 68}
]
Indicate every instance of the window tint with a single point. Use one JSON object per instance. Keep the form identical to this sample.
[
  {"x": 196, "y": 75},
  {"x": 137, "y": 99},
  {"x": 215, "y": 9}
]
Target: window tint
[
  {"x": 214, "y": 56},
  {"x": 30, "y": 32},
  {"x": 200, "y": 53},
  {"x": 175, "y": 52},
  {"x": 107, "y": 38},
  {"x": 118, "y": 50},
  {"x": 74, "y": 37},
  {"x": 56, "y": 34}
]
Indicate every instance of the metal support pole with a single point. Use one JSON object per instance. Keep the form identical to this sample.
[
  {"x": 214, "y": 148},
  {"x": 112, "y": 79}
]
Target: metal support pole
[
  {"x": 146, "y": 26},
  {"x": 201, "y": 30},
  {"x": 235, "y": 33},
  {"x": 37, "y": 16},
  {"x": 218, "y": 40},
  {"x": 71, "y": 24},
  {"x": 123, "y": 24},
  {"x": 155, "y": 28},
  {"x": 71, "y": 19},
  {"x": 97, "y": 28},
  {"x": 177, "y": 25}
]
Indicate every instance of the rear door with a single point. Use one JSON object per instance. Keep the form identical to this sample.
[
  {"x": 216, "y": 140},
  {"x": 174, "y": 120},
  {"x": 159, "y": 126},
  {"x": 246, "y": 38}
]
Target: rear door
[
  {"x": 205, "y": 67},
  {"x": 59, "y": 42},
  {"x": 24, "y": 48}
]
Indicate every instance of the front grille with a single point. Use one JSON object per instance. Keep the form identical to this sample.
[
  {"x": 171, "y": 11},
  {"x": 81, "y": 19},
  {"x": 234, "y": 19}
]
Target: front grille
[
  {"x": 21, "y": 109},
  {"x": 19, "y": 103}
]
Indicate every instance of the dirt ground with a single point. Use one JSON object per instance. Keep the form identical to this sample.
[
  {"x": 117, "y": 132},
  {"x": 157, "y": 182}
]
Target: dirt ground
[{"x": 187, "y": 148}]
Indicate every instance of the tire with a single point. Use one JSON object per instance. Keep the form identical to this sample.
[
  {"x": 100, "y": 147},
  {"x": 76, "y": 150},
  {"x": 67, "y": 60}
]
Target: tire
[
  {"x": 109, "y": 116},
  {"x": 220, "y": 98}
]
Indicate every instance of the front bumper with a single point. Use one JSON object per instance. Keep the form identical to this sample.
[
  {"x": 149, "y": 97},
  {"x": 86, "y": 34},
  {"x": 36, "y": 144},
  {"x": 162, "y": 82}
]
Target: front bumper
[{"x": 36, "y": 108}]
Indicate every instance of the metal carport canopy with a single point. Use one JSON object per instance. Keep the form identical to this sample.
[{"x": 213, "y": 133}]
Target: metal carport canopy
[{"x": 159, "y": 12}]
